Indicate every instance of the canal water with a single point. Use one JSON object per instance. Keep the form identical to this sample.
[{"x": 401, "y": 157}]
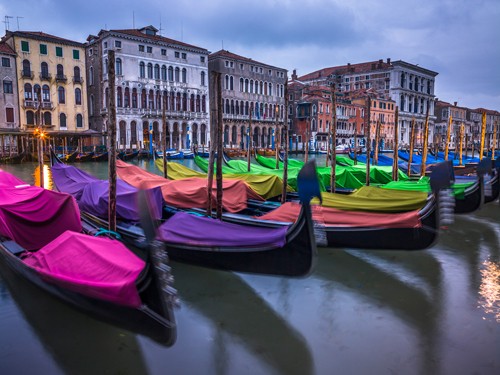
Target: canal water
[{"x": 435, "y": 311}]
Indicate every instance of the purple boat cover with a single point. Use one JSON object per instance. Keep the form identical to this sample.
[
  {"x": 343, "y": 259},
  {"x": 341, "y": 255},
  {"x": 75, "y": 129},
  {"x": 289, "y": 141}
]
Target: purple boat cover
[
  {"x": 92, "y": 193},
  {"x": 96, "y": 267},
  {"x": 187, "y": 229},
  {"x": 32, "y": 216}
]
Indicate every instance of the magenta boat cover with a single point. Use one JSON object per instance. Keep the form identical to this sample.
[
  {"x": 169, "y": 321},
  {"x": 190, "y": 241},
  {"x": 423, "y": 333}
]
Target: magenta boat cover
[
  {"x": 187, "y": 229},
  {"x": 32, "y": 216},
  {"x": 96, "y": 267},
  {"x": 8, "y": 179},
  {"x": 92, "y": 194}
]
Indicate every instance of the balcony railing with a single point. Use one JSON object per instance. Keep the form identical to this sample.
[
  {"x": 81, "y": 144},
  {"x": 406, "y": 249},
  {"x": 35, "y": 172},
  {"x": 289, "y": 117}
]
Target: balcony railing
[
  {"x": 77, "y": 79},
  {"x": 61, "y": 78},
  {"x": 45, "y": 76},
  {"x": 27, "y": 74}
]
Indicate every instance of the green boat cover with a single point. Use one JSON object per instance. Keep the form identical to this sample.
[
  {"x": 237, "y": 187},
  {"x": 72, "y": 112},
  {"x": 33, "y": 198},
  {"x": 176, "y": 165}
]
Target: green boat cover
[
  {"x": 375, "y": 199},
  {"x": 267, "y": 186},
  {"x": 423, "y": 184}
]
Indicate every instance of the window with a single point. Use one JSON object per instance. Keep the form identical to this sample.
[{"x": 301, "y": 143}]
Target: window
[
  {"x": 141, "y": 48},
  {"x": 177, "y": 74},
  {"x": 105, "y": 45},
  {"x": 91, "y": 51},
  {"x": 91, "y": 75},
  {"x": 47, "y": 118},
  {"x": 43, "y": 49},
  {"x": 203, "y": 78},
  {"x": 163, "y": 73},
  {"x": 157, "y": 71},
  {"x": 25, "y": 46},
  {"x": 30, "y": 118},
  {"x": 7, "y": 87},
  {"x": 176, "y": 54},
  {"x": 62, "y": 120},
  {"x": 78, "y": 96},
  {"x": 163, "y": 52},
  {"x": 184, "y": 75},
  {"x": 202, "y": 59},
  {"x": 150, "y": 70},
  {"x": 142, "y": 70},
  {"x": 170, "y": 73},
  {"x": 37, "y": 92},
  {"x": 149, "y": 49},
  {"x": 119, "y": 97},
  {"x": 9, "y": 114},
  {"x": 76, "y": 74},
  {"x": 184, "y": 56},
  {"x": 241, "y": 66},
  {"x": 59, "y": 52},
  {"x": 6, "y": 62},
  {"x": 79, "y": 121},
  {"x": 119, "y": 67},
  {"x": 61, "y": 95},
  {"x": 46, "y": 93},
  {"x": 60, "y": 71},
  {"x": 26, "y": 68},
  {"x": 76, "y": 54},
  {"x": 118, "y": 44},
  {"x": 44, "y": 70},
  {"x": 28, "y": 91}
]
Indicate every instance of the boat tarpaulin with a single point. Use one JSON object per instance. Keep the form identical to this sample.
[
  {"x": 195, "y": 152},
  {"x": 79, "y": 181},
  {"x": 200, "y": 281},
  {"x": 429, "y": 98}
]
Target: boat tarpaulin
[
  {"x": 289, "y": 212},
  {"x": 97, "y": 267},
  {"x": 32, "y": 216},
  {"x": 92, "y": 193},
  {"x": 189, "y": 192},
  {"x": 375, "y": 199},
  {"x": 7, "y": 179},
  {"x": 188, "y": 229},
  {"x": 423, "y": 184}
]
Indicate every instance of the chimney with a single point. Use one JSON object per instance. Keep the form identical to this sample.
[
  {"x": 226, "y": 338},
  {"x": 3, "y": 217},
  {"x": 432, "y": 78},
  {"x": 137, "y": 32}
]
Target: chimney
[
  {"x": 388, "y": 60},
  {"x": 455, "y": 103},
  {"x": 294, "y": 75}
]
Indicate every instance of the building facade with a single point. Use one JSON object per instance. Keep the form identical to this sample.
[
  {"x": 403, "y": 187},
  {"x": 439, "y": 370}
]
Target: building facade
[
  {"x": 50, "y": 82},
  {"x": 9, "y": 102},
  {"x": 152, "y": 74},
  {"x": 250, "y": 89}
]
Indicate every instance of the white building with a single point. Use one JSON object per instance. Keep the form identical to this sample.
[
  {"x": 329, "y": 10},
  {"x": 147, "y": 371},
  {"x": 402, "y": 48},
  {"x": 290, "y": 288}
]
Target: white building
[{"x": 152, "y": 72}]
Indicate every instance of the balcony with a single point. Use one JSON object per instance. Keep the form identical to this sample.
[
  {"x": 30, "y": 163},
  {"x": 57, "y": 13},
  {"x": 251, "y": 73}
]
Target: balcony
[
  {"x": 78, "y": 80},
  {"x": 45, "y": 76},
  {"x": 47, "y": 105},
  {"x": 61, "y": 78},
  {"x": 30, "y": 103},
  {"x": 27, "y": 74}
]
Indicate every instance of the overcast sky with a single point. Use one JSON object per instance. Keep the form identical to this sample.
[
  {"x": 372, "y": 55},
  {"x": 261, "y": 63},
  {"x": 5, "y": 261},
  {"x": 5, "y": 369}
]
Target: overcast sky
[{"x": 459, "y": 39}]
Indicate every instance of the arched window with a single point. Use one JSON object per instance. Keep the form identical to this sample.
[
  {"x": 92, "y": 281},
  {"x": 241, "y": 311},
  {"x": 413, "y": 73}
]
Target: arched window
[
  {"x": 157, "y": 71},
  {"x": 163, "y": 73},
  {"x": 134, "y": 98},
  {"x": 226, "y": 82},
  {"x": 231, "y": 83},
  {"x": 184, "y": 102},
  {"x": 202, "y": 78},
  {"x": 151, "y": 99},
  {"x": 241, "y": 84},
  {"x": 142, "y": 70},
  {"x": 45, "y": 70},
  {"x": 78, "y": 96},
  {"x": 105, "y": 66},
  {"x": 226, "y": 111},
  {"x": 47, "y": 118},
  {"x": 61, "y": 95},
  {"x": 91, "y": 105},
  {"x": 91, "y": 75},
  {"x": 119, "y": 97},
  {"x": 191, "y": 103},
  {"x": 203, "y": 104},
  {"x": 270, "y": 90},
  {"x": 122, "y": 130},
  {"x": 62, "y": 120},
  {"x": 246, "y": 85},
  {"x": 170, "y": 73},
  {"x": 60, "y": 71},
  {"x": 126, "y": 98},
  {"x": 144, "y": 99},
  {"x": 79, "y": 121},
  {"x": 76, "y": 74},
  {"x": 178, "y": 102},
  {"x": 402, "y": 102},
  {"x": 150, "y": 70},
  {"x": 184, "y": 75},
  {"x": 197, "y": 103},
  {"x": 177, "y": 74},
  {"x": 26, "y": 68},
  {"x": 30, "y": 118},
  {"x": 37, "y": 92},
  {"x": 251, "y": 85},
  {"x": 133, "y": 132},
  {"x": 28, "y": 91},
  {"x": 118, "y": 64}
]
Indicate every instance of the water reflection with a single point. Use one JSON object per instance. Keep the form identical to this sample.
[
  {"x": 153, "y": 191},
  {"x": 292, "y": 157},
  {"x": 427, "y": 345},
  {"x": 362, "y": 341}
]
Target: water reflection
[
  {"x": 489, "y": 290},
  {"x": 417, "y": 308},
  {"x": 47, "y": 177},
  {"x": 77, "y": 343},
  {"x": 236, "y": 311}
]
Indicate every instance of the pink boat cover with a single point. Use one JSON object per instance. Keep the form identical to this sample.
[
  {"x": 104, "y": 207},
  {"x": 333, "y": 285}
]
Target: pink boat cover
[
  {"x": 327, "y": 216},
  {"x": 189, "y": 192},
  {"x": 96, "y": 267},
  {"x": 32, "y": 216},
  {"x": 188, "y": 229},
  {"x": 7, "y": 179},
  {"x": 92, "y": 194}
]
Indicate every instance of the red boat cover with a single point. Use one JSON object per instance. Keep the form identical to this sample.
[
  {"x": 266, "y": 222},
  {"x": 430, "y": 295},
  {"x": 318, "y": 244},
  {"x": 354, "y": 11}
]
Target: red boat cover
[
  {"x": 187, "y": 229},
  {"x": 189, "y": 192},
  {"x": 96, "y": 267},
  {"x": 327, "y": 216},
  {"x": 32, "y": 216}
]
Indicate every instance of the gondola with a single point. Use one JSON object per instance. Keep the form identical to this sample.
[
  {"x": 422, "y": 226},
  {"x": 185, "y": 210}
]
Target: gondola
[
  {"x": 43, "y": 240},
  {"x": 84, "y": 157},
  {"x": 287, "y": 251},
  {"x": 13, "y": 159},
  {"x": 103, "y": 156},
  {"x": 126, "y": 156},
  {"x": 71, "y": 158}
]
